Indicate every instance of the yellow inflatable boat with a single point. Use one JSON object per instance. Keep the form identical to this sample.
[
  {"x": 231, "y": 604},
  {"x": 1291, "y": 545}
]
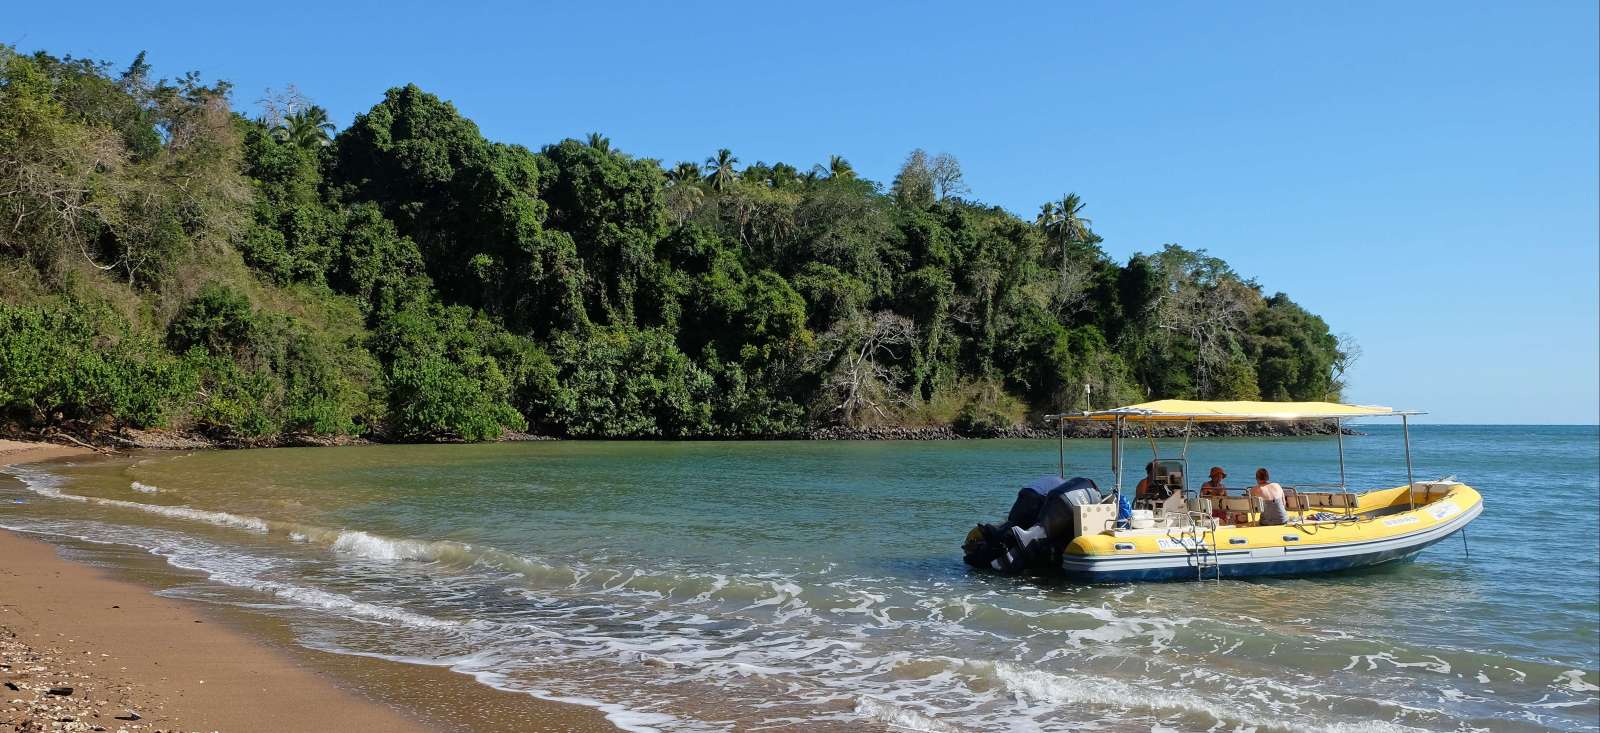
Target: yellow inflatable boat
[
  {"x": 1170, "y": 532},
  {"x": 1325, "y": 532}
]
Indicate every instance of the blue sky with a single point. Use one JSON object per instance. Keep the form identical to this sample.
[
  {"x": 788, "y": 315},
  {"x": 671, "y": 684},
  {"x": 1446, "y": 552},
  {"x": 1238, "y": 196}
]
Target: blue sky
[{"x": 1424, "y": 175}]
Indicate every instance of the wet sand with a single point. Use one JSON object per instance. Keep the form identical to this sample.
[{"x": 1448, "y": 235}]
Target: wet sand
[{"x": 140, "y": 662}]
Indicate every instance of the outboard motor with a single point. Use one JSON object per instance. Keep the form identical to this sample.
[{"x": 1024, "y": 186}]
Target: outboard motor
[
  {"x": 1037, "y": 529},
  {"x": 1025, "y": 510},
  {"x": 984, "y": 545}
]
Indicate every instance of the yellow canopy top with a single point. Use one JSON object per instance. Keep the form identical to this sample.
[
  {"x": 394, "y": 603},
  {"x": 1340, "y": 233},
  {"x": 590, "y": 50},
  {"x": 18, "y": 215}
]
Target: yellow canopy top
[{"x": 1203, "y": 411}]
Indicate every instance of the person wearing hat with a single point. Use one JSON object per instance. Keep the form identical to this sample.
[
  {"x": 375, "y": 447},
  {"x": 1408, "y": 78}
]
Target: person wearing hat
[{"x": 1214, "y": 487}]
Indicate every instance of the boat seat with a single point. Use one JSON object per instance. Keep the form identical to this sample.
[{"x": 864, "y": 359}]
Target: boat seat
[
  {"x": 1233, "y": 504},
  {"x": 1330, "y": 500},
  {"x": 1431, "y": 491}
]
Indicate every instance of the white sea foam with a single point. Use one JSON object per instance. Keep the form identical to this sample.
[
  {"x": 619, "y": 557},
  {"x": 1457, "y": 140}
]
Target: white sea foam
[
  {"x": 344, "y": 605},
  {"x": 233, "y": 569},
  {"x": 220, "y": 519},
  {"x": 900, "y": 717},
  {"x": 376, "y": 547},
  {"x": 1573, "y": 679},
  {"x": 46, "y": 485},
  {"x": 144, "y": 488}
]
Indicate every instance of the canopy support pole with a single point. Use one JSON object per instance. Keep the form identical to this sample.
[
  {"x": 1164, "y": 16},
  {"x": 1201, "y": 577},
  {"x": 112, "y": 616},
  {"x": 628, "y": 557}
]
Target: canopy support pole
[
  {"x": 1338, "y": 429},
  {"x": 1188, "y": 425},
  {"x": 1411, "y": 483},
  {"x": 1116, "y": 456}
]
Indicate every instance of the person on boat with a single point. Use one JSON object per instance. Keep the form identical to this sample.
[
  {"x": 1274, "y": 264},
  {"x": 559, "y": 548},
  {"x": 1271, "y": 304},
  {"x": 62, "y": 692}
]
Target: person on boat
[
  {"x": 1144, "y": 483},
  {"x": 1273, "y": 511},
  {"x": 1214, "y": 487}
]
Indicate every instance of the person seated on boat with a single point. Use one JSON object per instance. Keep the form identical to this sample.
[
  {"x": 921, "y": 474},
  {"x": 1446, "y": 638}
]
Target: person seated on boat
[
  {"x": 1273, "y": 511},
  {"x": 1214, "y": 489},
  {"x": 1143, "y": 488}
]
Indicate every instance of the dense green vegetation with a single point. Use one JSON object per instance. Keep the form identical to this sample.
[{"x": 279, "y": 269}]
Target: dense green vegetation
[{"x": 168, "y": 261}]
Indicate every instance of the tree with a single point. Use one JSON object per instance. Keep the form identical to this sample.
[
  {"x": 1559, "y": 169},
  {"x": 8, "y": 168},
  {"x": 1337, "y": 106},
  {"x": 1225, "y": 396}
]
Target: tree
[
  {"x": 684, "y": 195},
  {"x": 306, "y": 128},
  {"x": 1348, "y": 352},
  {"x": 276, "y": 105},
  {"x": 613, "y": 209},
  {"x": 472, "y": 207},
  {"x": 1208, "y": 307},
  {"x": 1072, "y": 248},
  {"x": 913, "y": 185},
  {"x": 53, "y": 172},
  {"x": 684, "y": 173},
  {"x": 864, "y": 379},
  {"x": 599, "y": 142},
  {"x": 838, "y": 168},
  {"x": 945, "y": 171},
  {"x": 1296, "y": 357},
  {"x": 720, "y": 170}
]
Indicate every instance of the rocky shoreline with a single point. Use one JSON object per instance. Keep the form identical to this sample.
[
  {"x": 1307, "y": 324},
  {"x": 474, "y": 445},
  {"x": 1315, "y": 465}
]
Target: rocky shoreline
[
  {"x": 127, "y": 438},
  {"x": 1079, "y": 430}
]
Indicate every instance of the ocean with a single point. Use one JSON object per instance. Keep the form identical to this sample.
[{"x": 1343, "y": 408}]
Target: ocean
[{"x": 718, "y": 586}]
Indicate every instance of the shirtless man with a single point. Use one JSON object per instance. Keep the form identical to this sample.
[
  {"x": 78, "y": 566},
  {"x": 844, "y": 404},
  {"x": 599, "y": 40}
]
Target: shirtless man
[{"x": 1273, "y": 511}]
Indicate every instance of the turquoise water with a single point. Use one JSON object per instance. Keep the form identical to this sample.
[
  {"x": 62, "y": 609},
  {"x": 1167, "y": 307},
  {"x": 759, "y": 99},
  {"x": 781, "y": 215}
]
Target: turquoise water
[{"x": 815, "y": 585}]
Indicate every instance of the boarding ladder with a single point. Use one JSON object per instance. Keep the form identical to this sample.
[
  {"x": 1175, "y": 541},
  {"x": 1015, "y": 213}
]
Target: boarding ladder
[{"x": 1200, "y": 538}]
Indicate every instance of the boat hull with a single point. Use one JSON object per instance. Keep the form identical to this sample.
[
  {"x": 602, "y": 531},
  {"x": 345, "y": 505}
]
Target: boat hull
[{"x": 1309, "y": 559}]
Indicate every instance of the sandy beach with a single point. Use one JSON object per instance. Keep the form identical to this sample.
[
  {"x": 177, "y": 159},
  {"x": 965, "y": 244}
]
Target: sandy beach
[{"x": 82, "y": 651}]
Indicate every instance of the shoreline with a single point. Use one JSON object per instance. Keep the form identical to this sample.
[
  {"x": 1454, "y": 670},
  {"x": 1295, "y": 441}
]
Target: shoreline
[
  {"x": 127, "y": 439},
  {"x": 137, "y": 661}
]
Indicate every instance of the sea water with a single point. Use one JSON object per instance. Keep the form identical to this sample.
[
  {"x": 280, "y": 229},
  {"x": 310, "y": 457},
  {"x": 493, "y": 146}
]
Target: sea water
[{"x": 713, "y": 586}]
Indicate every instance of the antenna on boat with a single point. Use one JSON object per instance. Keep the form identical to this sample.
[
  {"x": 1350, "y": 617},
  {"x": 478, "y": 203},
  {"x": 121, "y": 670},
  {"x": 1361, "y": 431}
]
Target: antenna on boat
[{"x": 1061, "y": 445}]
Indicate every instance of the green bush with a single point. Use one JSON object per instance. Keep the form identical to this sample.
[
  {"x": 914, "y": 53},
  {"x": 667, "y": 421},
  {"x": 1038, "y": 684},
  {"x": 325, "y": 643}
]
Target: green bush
[
  {"x": 988, "y": 410},
  {"x": 261, "y": 374},
  {"x": 623, "y": 383},
  {"x": 441, "y": 381},
  {"x": 80, "y": 363}
]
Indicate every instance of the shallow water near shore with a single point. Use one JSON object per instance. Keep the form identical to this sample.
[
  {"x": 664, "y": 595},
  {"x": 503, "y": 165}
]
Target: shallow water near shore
[{"x": 785, "y": 585}]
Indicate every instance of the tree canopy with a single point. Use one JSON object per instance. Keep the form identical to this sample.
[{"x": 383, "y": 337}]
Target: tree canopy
[{"x": 186, "y": 264}]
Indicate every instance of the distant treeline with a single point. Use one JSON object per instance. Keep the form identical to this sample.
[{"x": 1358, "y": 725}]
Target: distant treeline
[{"x": 168, "y": 261}]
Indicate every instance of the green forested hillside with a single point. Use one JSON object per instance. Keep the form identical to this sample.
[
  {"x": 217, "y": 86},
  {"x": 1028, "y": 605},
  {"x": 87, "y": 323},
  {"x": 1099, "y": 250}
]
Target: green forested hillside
[{"x": 168, "y": 260}]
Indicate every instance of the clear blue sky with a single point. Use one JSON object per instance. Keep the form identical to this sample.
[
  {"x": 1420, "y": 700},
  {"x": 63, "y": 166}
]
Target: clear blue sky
[{"x": 1424, "y": 175}]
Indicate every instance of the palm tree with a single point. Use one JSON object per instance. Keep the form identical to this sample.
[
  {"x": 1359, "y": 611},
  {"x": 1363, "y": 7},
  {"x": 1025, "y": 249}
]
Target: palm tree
[
  {"x": 1072, "y": 227},
  {"x": 720, "y": 170},
  {"x": 1046, "y": 217},
  {"x": 1068, "y": 234},
  {"x": 840, "y": 168},
  {"x": 683, "y": 172},
  {"x": 1064, "y": 225},
  {"x": 308, "y": 129},
  {"x": 599, "y": 142}
]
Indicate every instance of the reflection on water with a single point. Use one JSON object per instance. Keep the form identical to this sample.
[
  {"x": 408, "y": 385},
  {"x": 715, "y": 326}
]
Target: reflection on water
[{"x": 721, "y": 586}]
